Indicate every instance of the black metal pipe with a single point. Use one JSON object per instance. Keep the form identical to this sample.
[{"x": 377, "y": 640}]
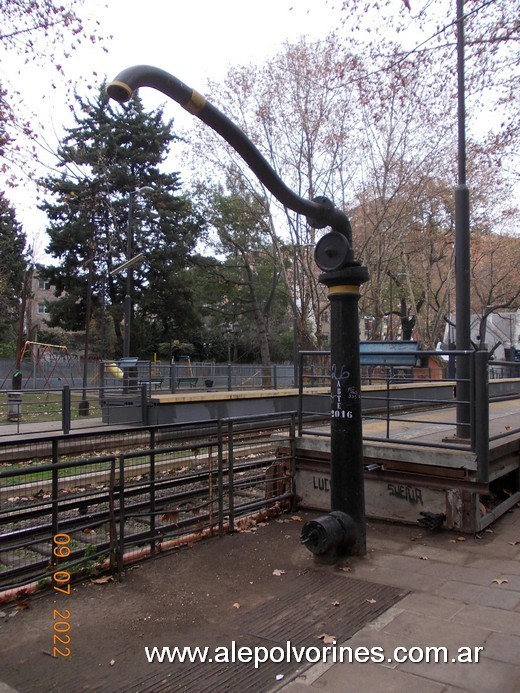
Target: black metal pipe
[
  {"x": 319, "y": 212},
  {"x": 343, "y": 276}
]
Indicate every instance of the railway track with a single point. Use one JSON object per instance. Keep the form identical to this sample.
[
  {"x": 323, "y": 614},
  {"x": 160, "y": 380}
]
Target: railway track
[{"x": 125, "y": 499}]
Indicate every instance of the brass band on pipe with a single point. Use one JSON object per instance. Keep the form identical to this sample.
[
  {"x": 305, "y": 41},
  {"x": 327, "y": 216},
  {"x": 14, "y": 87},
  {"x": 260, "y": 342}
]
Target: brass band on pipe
[
  {"x": 344, "y": 289},
  {"x": 195, "y": 104}
]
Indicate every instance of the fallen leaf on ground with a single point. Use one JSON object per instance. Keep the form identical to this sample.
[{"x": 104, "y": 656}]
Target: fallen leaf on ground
[
  {"x": 461, "y": 538},
  {"x": 327, "y": 639},
  {"x": 236, "y": 605},
  {"x": 335, "y": 603},
  {"x": 424, "y": 558},
  {"x": 296, "y": 518},
  {"x": 277, "y": 572},
  {"x": 371, "y": 601},
  {"x": 514, "y": 543},
  {"x": 499, "y": 581},
  {"x": 345, "y": 568},
  {"x": 102, "y": 580},
  {"x": 172, "y": 517}
]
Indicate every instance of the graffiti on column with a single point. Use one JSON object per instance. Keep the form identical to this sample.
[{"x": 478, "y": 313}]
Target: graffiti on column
[{"x": 342, "y": 394}]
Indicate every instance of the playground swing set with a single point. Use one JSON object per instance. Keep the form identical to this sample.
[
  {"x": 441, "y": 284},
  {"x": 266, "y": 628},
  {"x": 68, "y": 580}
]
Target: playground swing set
[{"x": 52, "y": 366}]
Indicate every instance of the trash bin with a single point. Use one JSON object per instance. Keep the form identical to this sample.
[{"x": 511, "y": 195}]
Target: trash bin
[
  {"x": 14, "y": 406},
  {"x": 17, "y": 380}
]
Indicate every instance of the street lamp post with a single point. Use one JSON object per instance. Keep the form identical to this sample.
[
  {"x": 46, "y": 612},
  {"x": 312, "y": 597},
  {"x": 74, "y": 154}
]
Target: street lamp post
[
  {"x": 462, "y": 248},
  {"x": 296, "y": 341},
  {"x": 84, "y": 405},
  {"x": 391, "y": 316},
  {"x": 343, "y": 276},
  {"x": 393, "y": 278},
  {"x": 129, "y": 264},
  {"x": 229, "y": 331},
  {"x": 296, "y": 331}
]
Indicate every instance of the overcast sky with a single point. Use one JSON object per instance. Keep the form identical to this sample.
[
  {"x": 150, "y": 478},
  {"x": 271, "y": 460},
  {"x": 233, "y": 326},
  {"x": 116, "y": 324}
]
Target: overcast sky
[{"x": 195, "y": 40}]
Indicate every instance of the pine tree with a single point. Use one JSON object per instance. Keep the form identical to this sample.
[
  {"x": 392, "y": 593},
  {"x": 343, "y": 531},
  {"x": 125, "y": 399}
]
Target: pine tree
[
  {"x": 106, "y": 160},
  {"x": 12, "y": 271}
]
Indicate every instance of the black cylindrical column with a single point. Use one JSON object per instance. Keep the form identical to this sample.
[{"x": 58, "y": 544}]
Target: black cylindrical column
[{"x": 347, "y": 474}]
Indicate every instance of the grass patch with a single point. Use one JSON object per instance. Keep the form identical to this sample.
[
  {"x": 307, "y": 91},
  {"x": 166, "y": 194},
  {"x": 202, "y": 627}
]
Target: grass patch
[{"x": 37, "y": 407}]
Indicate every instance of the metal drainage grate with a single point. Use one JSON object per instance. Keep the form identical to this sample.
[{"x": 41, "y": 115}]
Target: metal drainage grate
[{"x": 315, "y": 603}]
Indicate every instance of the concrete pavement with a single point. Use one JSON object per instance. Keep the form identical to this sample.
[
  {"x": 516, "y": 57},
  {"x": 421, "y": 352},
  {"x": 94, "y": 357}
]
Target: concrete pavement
[
  {"x": 460, "y": 592},
  {"x": 464, "y": 592}
]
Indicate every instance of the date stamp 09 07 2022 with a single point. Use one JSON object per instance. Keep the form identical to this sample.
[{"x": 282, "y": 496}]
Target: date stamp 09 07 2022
[{"x": 61, "y": 583}]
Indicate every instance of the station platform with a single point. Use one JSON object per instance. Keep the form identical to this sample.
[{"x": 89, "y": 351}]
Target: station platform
[{"x": 416, "y": 464}]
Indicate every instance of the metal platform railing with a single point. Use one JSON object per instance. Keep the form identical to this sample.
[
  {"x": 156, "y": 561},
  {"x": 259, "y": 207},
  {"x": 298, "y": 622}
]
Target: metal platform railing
[
  {"x": 395, "y": 392},
  {"x": 117, "y": 496}
]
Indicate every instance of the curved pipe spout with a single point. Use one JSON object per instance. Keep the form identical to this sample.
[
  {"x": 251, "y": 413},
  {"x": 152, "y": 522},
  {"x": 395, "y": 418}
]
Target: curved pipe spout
[{"x": 319, "y": 212}]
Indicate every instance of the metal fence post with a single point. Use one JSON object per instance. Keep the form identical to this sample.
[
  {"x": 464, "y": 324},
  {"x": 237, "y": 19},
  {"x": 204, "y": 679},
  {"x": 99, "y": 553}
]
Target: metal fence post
[
  {"x": 101, "y": 380},
  {"x": 220, "y": 479},
  {"x": 229, "y": 378},
  {"x": 121, "y": 551},
  {"x": 54, "y": 498},
  {"x": 480, "y": 420},
  {"x": 387, "y": 405},
  {"x": 144, "y": 404},
  {"x": 152, "y": 492},
  {"x": 173, "y": 377},
  {"x": 114, "y": 562},
  {"x": 292, "y": 438},
  {"x": 65, "y": 409},
  {"x": 300, "y": 393},
  {"x": 231, "y": 491}
]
